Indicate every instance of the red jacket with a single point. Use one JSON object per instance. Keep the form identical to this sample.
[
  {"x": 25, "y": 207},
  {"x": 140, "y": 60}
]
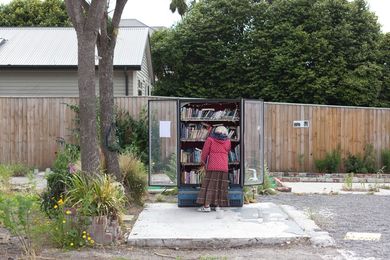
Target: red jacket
[{"x": 215, "y": 154}]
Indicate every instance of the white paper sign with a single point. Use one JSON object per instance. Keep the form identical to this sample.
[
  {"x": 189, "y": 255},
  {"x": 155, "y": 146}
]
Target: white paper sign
[{"x": 165, "y": 128}]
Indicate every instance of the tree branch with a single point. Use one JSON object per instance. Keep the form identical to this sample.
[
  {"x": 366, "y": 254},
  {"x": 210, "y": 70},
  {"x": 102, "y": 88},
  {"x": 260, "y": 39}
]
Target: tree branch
[
  {"x": 95, "y": 14},
  {"x": 73, "y": 7}
]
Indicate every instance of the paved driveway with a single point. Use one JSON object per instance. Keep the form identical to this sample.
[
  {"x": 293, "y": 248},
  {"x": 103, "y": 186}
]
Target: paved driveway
[{"x": 339, "y": 214}]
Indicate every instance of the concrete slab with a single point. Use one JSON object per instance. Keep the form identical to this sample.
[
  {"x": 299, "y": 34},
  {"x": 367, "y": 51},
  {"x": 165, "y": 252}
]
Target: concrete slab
[{"x": 164, "y": 224}]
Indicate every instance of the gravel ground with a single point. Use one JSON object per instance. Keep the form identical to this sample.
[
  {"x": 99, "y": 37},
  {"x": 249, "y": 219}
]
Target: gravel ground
[{"x": 339, "y": 214}]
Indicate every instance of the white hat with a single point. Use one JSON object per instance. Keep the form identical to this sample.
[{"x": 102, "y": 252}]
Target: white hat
[{"x": 221, "y": 130}]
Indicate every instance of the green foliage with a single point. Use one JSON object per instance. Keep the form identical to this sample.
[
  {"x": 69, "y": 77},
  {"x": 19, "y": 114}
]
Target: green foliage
[
  {"x": 97, "y": 195},
  {"x": 353, "y": 163},
  {"x": 305, "y": 51},
  {"x": 132, "y": 134},
  {"x": 369, "y": 158},
  {"x": 330, "y": 163},
  {"x": 58, "y": 179},
  {"x": 384, "y": 61},
  {"x": 348, "y": 181},
  {"x": 19, "y": 170},
  {"x": 5, "y": 175},
  {"x": 357, "y": 164},
  {"x": 386, "y": 160},
  {"x": 20, "y": 214},
  {"x": 171, "y": 168},
  {"x": 34, "y": 13},
  {"x": 135, "y": 177},
  {"x": 269, "y": 184}
]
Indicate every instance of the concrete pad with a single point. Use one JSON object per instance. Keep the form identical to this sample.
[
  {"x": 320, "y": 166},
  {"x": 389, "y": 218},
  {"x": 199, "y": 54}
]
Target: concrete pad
[{"x": 164, "y": 224}]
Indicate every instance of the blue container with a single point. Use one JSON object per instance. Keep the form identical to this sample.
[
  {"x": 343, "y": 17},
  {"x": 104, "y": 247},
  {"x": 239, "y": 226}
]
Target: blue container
[{"x": 187, "y": 197}]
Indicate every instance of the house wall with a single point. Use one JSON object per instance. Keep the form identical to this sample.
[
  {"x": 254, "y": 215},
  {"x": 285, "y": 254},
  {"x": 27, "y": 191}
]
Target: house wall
[
  {"x": 143, "y": 77},
  {"x": 51, "y": 83}
]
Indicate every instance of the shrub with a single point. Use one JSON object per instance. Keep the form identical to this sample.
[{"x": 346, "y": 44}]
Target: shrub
[
  {"x": 353, "y": 163},
  {"x": 269, "y": 184},
  {"x": 132, "y": 134},
  {"x": 369, "y": 160},
  {"x": 97, "y": 195},
  {"x": 19, "y": 169},
  {"x": 5, "y": 175},
  {"x": 330, "y": 163},
  {"x": 386, "y": 159},
  {"x": 57, "y": 180},
  {"x": 20, "y": 214},
  {"x": 135, "y": 177}
]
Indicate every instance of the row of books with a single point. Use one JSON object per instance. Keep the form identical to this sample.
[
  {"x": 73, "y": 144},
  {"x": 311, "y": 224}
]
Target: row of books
[
  {"x": 234, "y": 154},
  {"x": 208, "y": 113},
  {"x": 194, "y": 131},
  {"x": 234, "y": 176},
  {"x": 201, "y": 132},
  {"x": 191, "y": 177},
  {"x": 191, "y": 155}
]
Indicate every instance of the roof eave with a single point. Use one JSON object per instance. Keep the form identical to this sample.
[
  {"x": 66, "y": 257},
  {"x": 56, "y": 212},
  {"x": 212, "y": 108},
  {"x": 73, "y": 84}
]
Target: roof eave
[{"x": 60, "y": 67}]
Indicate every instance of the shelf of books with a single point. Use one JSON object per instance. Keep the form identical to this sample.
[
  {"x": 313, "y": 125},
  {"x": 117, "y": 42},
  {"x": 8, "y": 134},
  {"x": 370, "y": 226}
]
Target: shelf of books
[{"x": 197, "y": 121}]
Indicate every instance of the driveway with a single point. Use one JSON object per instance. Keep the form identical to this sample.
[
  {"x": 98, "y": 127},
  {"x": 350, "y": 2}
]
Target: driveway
[{"x": 339, "y": 214}]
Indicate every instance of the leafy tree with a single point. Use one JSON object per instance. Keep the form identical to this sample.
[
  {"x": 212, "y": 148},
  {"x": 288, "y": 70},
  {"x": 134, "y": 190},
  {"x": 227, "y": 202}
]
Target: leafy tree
[
  {"x": 311, "y": 51},
  {"x": 384, "y": 61},
  {"x": 34, "y": 13}
]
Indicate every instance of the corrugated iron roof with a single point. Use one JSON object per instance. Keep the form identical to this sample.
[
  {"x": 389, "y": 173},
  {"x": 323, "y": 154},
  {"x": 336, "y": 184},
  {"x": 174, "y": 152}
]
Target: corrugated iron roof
[{"x": 42, "y": 46}]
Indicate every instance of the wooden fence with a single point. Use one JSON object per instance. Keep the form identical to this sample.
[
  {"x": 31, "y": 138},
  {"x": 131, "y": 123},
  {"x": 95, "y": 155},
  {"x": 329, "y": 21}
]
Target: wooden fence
[{"x": 31, "y": 126}]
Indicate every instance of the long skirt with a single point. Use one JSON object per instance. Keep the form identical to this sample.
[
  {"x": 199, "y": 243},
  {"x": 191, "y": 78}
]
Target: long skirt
[{"x": 214, "y": 189}]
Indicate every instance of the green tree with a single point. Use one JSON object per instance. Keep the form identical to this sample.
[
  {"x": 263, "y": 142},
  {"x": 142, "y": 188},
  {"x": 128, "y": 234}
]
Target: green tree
[
  {"x": 311, "y": 51},
  {"x": 384, "y": 61},
  {"x": 34, "y": 13}
]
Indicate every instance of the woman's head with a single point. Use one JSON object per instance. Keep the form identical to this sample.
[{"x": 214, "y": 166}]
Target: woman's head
[{"x": 221, "y": 130}]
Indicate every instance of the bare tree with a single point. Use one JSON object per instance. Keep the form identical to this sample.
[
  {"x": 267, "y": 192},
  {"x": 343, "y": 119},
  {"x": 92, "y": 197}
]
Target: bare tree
[
  {"x": 106, "y": 42},
  {"x": 86, "y": 19}
]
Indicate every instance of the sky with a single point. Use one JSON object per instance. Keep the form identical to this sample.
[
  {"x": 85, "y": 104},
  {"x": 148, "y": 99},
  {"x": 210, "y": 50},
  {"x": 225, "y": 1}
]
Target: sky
[{"x": 157, "y": 13}]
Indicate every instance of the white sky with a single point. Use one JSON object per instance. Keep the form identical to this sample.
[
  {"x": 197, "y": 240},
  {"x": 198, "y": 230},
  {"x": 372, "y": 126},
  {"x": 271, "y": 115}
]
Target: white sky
[{"x": 157, "y": 13}]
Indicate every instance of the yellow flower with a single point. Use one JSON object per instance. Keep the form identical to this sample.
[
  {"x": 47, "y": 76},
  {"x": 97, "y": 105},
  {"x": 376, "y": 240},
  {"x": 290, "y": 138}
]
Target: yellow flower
[
  {"x": 71, "y": 244},
  {"x": 68, "y": 212},
  {"x": 84, "y": 232},
  {"x": 64, "y": 221},
  {"x": 60, "y": 202},
  {"x": 89, "y": 238},
  {"x": 84, "y": 236},
  {"x": 55, "y": 206},
  {"x": 92, "y": 241}
]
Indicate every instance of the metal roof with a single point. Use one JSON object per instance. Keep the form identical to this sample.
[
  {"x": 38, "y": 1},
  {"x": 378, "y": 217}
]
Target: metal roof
[
  {"x": 131, "y": 23},
  {"x": 54, "y": 46}
]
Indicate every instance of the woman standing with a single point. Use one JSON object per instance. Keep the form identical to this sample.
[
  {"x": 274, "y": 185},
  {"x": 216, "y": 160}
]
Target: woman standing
[{"x": 214, "y": 189}]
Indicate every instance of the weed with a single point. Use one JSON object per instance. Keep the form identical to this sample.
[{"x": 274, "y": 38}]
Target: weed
[
  {"x": 348, "y": 182},
  {"x": 135, "y": 177},
  {"x": 160, "y": 198},
  {"x": 330, "y": 163},
  {"x": 386, "y": 160}
]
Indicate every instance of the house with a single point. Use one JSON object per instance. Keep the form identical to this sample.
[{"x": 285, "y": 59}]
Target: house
[{"x": 42, "y": 61}]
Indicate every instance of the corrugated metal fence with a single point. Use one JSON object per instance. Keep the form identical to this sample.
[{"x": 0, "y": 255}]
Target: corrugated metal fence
[{"x": 31, "y": 126}]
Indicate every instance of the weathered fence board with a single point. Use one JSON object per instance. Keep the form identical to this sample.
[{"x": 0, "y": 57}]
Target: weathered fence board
[{"x": 30, "y": 127}]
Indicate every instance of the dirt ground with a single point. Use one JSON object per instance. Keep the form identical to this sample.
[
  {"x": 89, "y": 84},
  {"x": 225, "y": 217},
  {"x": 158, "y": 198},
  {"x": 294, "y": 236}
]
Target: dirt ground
[{"x": 123, "y": 251}]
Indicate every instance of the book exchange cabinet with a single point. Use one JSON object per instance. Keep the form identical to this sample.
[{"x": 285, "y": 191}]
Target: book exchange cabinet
[{"x": 178, "y": 129}]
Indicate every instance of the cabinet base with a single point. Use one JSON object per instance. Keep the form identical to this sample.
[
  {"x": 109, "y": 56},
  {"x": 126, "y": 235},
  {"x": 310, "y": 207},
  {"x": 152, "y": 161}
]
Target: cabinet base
[{"x": 187, "y": 197}]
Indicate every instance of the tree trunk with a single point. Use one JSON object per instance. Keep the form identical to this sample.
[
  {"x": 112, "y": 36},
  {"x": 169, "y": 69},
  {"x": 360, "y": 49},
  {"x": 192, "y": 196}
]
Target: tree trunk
[
  {"x": 87, "y": 102},
  {"x": 107, "y": 117}
]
